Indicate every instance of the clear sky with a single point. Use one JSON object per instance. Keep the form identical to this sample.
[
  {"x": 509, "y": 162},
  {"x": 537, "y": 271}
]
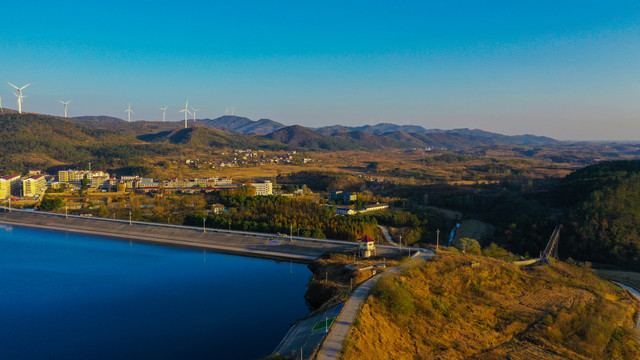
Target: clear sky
[{"x": 565, "y": 69}]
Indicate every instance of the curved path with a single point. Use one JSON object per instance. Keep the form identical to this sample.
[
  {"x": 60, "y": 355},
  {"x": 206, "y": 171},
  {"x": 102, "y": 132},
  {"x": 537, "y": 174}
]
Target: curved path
[
  {"x": 386, "y": 234},
  {"x": 333, "y": 345}
]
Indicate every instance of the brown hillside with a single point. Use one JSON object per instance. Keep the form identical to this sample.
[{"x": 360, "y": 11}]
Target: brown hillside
[{"x": 445, "y": 309}]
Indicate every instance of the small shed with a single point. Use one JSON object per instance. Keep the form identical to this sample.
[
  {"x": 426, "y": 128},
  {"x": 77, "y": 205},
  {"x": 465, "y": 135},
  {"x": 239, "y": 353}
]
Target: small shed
[{"x": 366, "y": 245}]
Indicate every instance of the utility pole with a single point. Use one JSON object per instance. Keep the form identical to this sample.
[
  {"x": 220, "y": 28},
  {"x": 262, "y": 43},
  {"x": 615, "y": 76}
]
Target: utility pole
[
  {"x": 400, "y": 245},
  {"x": 204, "y": 219},
  {"x": 66, "y": 211},
  {"x": 437, "y": 239},
  {"x": 290, "y": 232},
  {"x": 129, "y": 217}
]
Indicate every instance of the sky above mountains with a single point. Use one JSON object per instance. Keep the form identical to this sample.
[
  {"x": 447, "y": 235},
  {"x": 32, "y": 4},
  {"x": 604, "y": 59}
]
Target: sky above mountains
[{"x": 565, "y": 69}]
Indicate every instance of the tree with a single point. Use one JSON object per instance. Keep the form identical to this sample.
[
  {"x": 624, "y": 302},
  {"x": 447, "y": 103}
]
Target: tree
[
  {"x": 84, "y": 183},
  {"x": 50, "y": 204},
  {"x": 471, "y": 246},
  {"x": 373, "y": 166}
]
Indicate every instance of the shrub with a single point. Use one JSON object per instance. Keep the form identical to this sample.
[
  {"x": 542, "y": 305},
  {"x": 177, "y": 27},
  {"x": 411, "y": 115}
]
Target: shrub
[{"x": 467, "y": 245}]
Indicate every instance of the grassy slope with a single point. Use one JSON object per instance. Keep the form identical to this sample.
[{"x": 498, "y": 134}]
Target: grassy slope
[{"x": 446, "y": 310}]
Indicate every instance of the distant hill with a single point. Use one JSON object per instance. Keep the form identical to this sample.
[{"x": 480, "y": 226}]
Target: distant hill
[
  {"x": 133, "y": 129},
  {"x": 300, "y": 136},
  {"x": 378, "y": 129},
  {"x": 201, "y": 136},
  {"x": 459, "y": 137},
  {"x": 41, "y": 141},
  {"x": 101, "y": 118},
  {"x": 336, "y": 137},
  {"x": 243, "y": 125}
]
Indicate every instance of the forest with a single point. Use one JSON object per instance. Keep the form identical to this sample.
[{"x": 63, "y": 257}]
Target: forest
[{"x": 278, "y": 214}]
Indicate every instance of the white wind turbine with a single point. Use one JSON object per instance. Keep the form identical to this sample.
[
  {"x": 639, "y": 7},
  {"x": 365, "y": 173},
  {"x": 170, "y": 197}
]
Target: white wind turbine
[
  {"x": 1, "y": 109},
  {"x": 194, "y": 113},
  {"x": 186, "y": 112},
  {"x": 19, "y": 95},
  {"x": 129, "y": 112},
  {"x": 164, "y": 110},
  {"x": 65, "y": 106}
]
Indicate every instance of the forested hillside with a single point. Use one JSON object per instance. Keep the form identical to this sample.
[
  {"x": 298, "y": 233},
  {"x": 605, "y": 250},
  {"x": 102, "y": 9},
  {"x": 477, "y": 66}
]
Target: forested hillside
[
  {"x": 38, "y": 141},
  {"x": 603, "y": 213}
]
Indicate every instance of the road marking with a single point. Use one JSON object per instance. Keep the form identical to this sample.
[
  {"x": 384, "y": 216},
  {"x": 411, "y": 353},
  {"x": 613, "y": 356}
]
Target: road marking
[{"x": 323, "y": 324}]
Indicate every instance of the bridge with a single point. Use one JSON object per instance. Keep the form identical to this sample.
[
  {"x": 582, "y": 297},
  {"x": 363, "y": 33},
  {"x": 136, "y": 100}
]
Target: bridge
[
  {"x": 244, "y": 243},
  {"x": 551, "y": 250}
]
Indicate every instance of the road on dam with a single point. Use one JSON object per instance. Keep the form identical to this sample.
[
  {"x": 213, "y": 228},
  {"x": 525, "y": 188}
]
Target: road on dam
[{"x": 271, "y": 246}]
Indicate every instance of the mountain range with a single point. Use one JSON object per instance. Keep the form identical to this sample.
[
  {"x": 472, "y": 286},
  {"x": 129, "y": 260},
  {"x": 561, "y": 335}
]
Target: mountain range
[
  {"x": 35, "y": 140},
  {"x": 329, "y": 137}
]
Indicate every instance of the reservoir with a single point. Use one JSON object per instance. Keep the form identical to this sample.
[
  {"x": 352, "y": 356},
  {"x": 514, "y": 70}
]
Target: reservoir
[{"x": 69, "y": 296}]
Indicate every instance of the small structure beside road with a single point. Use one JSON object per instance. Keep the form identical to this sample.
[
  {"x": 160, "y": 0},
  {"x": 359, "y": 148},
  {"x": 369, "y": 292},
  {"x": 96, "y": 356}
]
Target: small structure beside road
[{"x": 366, "y": 245}]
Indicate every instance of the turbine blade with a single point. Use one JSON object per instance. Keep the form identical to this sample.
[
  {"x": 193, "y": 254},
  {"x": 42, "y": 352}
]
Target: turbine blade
[
  {"x": 17, "y": 88},
  {"x": 22, "y": 88}
]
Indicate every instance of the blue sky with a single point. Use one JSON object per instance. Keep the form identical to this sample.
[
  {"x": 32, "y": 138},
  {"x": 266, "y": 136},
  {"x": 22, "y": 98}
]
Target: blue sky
[{"x": 566, "y": 69}]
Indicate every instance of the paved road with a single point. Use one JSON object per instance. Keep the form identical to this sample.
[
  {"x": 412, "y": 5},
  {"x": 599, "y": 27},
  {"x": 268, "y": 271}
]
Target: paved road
[
  {"x": 306, "y": 335},
  {"x": 333, "y": 345},
  {"x": 245, "y": 243},
  {"x": 633, "y": 292},
  {"x": 386, "y": 234}
]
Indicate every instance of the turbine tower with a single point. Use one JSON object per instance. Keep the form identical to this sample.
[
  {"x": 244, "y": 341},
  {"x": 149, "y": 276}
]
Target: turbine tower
[
  {"x": 129, "y": 112},
  {"x": 65, "y": 106},
  {"x": 186, "y": 112},
  {"x": 1, "y": 109},
  {"x": 164, "y": 110},
  {"x": 19, "y": 95},
  {"x": 194, "y": 113}
]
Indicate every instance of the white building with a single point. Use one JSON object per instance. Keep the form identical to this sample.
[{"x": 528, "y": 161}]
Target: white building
[
  {"x": 265, "y": 188},
  {"x": 34, "y": 185},
  {"x": 9, "y": 185}
]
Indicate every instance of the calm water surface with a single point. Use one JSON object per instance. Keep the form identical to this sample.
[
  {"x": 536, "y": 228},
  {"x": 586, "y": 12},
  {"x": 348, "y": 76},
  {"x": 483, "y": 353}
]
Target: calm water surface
[{"x": 67, "y": 296}]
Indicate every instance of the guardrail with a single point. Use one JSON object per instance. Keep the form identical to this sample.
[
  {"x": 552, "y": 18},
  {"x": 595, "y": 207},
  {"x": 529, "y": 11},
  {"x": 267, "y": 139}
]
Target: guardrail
[
  {"x": 551, "y": 250},
  {"x": 196, "y": 228}
]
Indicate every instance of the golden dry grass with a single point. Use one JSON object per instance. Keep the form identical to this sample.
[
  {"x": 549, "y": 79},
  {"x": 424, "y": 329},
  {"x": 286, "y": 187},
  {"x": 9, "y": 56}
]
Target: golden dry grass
[{"x": 444, "y": 309}]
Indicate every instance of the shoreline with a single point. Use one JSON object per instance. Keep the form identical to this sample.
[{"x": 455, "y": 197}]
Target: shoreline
[
  {"x": 226, "y": 242},
  {"x": 304, "y": 259}
]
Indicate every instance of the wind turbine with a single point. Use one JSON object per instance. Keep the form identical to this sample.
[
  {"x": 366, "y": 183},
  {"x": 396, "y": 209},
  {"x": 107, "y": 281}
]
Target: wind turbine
[
  {"x": 19, "y": 95},
  {"x": 65, "y": 106},
  {"x": 129, "y": 112},
  {"x": 232, "y": 111},
  {"x": 186, "y": 112},
  {"x": 1, "y": 109},
  {"x": 194, "y": 113},
  {"x": 164, "y": 110}
]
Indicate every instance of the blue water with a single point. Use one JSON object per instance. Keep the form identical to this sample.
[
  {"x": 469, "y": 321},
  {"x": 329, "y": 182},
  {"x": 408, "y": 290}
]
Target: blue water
[{"x": 68, "y": 296}]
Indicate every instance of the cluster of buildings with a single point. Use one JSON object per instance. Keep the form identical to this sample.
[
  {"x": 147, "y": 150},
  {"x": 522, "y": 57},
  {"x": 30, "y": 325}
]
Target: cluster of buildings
[
  {"x": 31, "y": 186},
  {"x": 250, "y": 157},
  {"x": 346, "y": 198},
  {"x": 102, "y": 180}
]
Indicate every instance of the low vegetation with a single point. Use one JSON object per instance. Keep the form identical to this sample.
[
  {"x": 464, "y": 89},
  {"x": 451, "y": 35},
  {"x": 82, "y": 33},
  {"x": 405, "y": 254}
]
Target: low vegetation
[
  {"x": 464, "y": 306},
  {"x": 332, "y": 281}
]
